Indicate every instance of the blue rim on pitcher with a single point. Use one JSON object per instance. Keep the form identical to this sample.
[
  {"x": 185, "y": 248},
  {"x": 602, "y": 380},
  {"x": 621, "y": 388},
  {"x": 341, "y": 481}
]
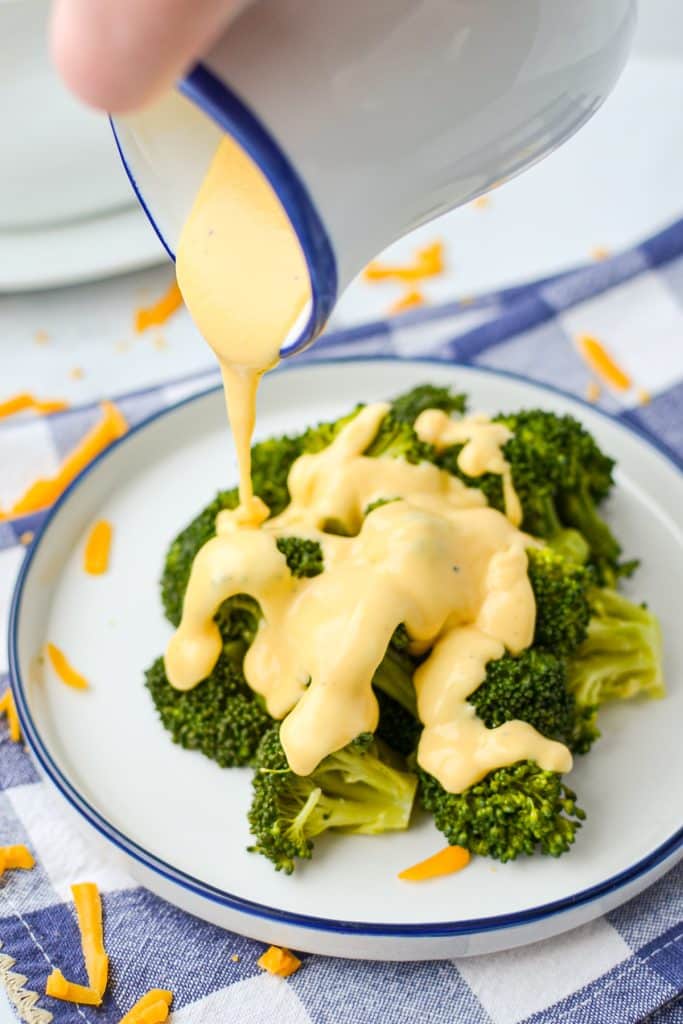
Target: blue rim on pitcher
[{"x": 223, "y": 106}]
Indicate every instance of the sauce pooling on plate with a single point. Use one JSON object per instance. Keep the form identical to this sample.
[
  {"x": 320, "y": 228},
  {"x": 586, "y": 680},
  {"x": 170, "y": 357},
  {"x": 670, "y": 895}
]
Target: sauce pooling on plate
[{"x": 433, "y": 556}]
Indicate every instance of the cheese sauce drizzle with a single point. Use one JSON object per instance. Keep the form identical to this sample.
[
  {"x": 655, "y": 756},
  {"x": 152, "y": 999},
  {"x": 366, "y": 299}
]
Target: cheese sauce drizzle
[{"x": 435, "y": 557}]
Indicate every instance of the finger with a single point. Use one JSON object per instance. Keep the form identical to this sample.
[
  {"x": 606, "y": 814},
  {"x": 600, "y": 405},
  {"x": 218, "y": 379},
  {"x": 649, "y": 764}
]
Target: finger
[{"x": 119, "y": 54}]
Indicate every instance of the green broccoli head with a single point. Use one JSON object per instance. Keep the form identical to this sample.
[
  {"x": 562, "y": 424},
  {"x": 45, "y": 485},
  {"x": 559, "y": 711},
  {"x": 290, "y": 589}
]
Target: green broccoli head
[
  {"x": 221, "y": 717},
  {"x": 513, "y": 811},
  {"x": 621, "y": 656},
  {"x": 561, "y": 476},
  {"x": 563, "y": 607},
  {"x": 356, "y": 789},
  {"x": 398, "y": 728},
  {"x": 532, "y": 687},
  {"x": 304, "y": 557},
  {"x": 396, "y": 437}
]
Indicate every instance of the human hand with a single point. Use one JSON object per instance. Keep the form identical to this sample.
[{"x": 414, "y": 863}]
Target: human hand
[{"x": 119, "y": 54}]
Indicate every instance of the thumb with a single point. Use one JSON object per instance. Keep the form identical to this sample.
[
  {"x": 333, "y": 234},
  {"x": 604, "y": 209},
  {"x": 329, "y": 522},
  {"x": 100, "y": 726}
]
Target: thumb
[{"x": 119, "y": 54}]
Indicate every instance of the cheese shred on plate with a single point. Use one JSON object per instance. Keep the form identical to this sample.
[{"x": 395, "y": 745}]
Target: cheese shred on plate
[
  {"x": 10, "y": 709},
  {"x": 445, "y": 862},
  {"x": 111, "y": 425},
  {"x": 152, "y": 1008},
  {"x": 279, "y": 961},
  {"x": 97, "y": 548},
  {"x": 410, "y": 300},
  {"x": 64, "y": 669},
  {"x": 601, "y": 362}
]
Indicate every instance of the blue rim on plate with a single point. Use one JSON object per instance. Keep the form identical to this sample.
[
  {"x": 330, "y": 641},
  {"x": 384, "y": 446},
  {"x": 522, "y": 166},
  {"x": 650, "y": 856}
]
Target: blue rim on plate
[
  {"x": 223, "y": 106},
  {"x": 186, "y": 881}
]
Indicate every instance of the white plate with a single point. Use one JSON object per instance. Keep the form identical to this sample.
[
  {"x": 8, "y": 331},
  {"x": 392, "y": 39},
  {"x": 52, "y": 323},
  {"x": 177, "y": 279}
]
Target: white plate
[
  {"x": 52, "y": 255},
  {"x": 179, "y": 820}
]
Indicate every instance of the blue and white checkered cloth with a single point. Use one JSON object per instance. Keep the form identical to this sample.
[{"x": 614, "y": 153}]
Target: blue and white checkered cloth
[{"x": 621, "y": 969}]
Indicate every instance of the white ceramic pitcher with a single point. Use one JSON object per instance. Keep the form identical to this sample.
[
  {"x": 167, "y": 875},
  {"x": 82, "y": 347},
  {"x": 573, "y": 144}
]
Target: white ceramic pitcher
[{"x": 370, "y": 117}]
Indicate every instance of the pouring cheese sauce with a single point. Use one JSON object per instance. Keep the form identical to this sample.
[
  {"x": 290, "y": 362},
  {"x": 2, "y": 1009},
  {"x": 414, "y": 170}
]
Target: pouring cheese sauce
[{"x": 434, "y": 556}]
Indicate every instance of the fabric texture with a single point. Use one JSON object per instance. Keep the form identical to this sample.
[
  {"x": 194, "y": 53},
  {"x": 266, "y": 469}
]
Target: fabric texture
[{"x": 625, "y": 968}]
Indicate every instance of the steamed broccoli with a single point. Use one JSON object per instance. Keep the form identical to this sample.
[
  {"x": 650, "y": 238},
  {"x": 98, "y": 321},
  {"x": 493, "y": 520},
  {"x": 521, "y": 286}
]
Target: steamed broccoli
[
  {"x": 221, "y": 716},
  {"x": 621, "y": 656},
  {"x": 533, "y": 688},
  {"x": 396, "y": 436},
  {"x": 563, "y": 607},
  {"x": 512, "y": 811},
  {"x": 304, "y": 557},
  {"x": 353, "y": 790},
  {"x": 561, "y": 476}
]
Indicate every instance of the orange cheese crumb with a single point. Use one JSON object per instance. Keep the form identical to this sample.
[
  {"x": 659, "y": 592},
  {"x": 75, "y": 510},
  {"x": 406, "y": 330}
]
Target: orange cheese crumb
[
  {"x": 160, "y": 311},
  {"x": 10, "y": 709},
  {"x": 77, "y": 373},
  {"x": 600, "y": 252},
  {"x": 235, "y": 959},
  {"x": 644, "y": 396},
  {"x": 279, "y": 961},
  {"x": 593, "y": 391},
  {"x": 26, "y": 537},
  {"x": 481, "y": 202},
  {"x": 429, "y": 262},
  {"x": 97, "y": 548},
  {"x": 89, "y": 913},
  {"x": 44, "y": 492},
  {"x": 64, "y": 669},
  {"x": 154, "y": 1004},
  {"x": 410, "y": 300},
  {"x": 59, "y": 988},
  {"x": 14, "y": 858},
  {"x": 445, "y": 862},
  {"x": 23, "y": 401},
  {"x": 602, "y": 363},
  {"x": 41, "y": 337}
]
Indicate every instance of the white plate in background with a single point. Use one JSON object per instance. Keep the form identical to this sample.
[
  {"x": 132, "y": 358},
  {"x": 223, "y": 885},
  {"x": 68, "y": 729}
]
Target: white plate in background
[{"x": 181, "y": 826}]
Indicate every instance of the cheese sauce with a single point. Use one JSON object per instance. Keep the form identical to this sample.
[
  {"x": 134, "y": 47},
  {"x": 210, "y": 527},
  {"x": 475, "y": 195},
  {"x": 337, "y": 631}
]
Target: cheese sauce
[
  {"x": 244, "y": 279},
  {"x": 434, "y": 557}
]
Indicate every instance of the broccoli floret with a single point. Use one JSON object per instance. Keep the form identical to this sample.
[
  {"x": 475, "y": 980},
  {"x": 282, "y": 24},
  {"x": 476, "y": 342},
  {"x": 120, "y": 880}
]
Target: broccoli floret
[
  {"x": 394, "y": 676},
  {"x": 621, "y": 656},
  {"x": 398, "y": 728},
  {"x": 304, "y": 557},
  {"x": 353, "y": 790},
  {"x": 513, "y": 811},
  {"x": 560, "y": 476},
  {"x": 571, "y": 545},
  {"x": 221, "y": 716},
  {"x": 396, "y": 436},
  {"x": 563, "y": 608},
  {"x": 533, "y": 688}
]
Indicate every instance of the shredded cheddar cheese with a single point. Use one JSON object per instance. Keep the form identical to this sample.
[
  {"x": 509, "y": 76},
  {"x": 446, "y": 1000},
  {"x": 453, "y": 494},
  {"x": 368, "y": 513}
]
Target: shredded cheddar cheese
[
  {"x": 445, "y": 862},
  {"x": 410, "y": 300},
  {"x": 602, "y": 363},
  {"x": 593, "y": 391},
  {"x": 159, "y": 312},
  {"x": 14, "y": 858},
  {"x": 279, "y": 961},
  {"x": 152, "y": 1008},
  {"x": 10, "y": 709},
  {"x": 89, "y": 912},
  {"x": 600, "y": 252},
  {"x": 97, "y": 548},
  {"x": 481, "y": 202},
  {"x": 24, "y": 401},
  {"x": 44, "y": 492},
  {"x": 64, "y": 669},
  {"x": 59, "y": 988},
  {"x": 429, "y": 262}
]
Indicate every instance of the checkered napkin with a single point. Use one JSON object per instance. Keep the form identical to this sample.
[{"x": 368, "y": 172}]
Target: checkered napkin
[{"x": 622, "y": 969}]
